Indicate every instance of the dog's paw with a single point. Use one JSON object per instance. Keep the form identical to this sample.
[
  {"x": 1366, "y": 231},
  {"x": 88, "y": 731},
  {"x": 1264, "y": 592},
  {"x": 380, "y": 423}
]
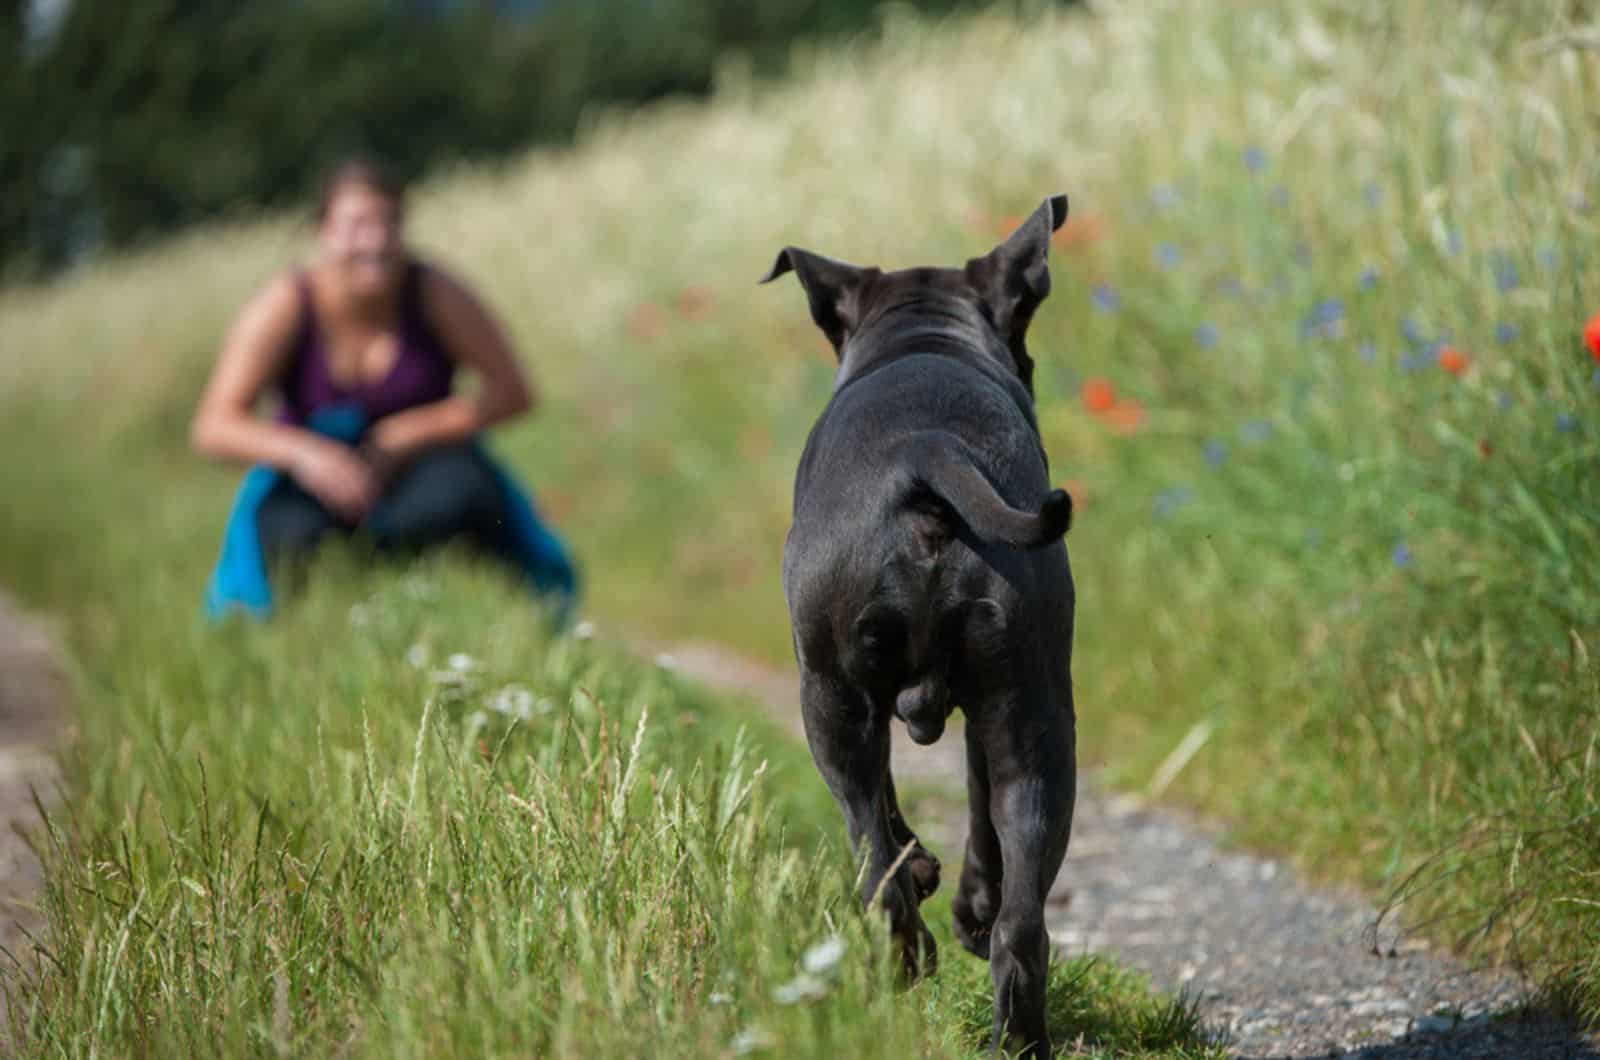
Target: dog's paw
[
  {"x": 972, "y": 930},
  {"x": 924, "y": 872},
  {"x": 974, "y": 939}
]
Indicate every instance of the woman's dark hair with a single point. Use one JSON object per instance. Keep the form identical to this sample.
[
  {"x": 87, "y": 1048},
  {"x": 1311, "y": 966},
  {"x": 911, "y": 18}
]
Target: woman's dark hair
[{"x": 363, "y": 171}]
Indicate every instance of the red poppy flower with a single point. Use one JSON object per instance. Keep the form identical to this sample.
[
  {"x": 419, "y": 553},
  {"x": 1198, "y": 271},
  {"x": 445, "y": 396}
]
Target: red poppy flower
[
  {"x": 647, "y": 321},
  {"x": 1099, "y": 395},
  {"x": 1591, "y": 336},
  {"x": 1452, "y": 360},
  {"x": 1125, "y": 417},
  {"x": 696, "y": 303},
  {"x": 1078, "y": 490},
  {"x": 1080, "y": 230},
  {"x": 1008, "y": 223}
]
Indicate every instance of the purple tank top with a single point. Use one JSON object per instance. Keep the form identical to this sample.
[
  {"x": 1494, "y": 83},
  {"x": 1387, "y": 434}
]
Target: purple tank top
[{"x": 421, "y": 373}]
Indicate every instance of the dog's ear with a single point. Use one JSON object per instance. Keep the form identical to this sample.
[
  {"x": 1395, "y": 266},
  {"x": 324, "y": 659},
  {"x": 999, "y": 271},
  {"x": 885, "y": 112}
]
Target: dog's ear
[
  {"x": 1014, "y": 277},
  {"x": 832, "y": 287}
]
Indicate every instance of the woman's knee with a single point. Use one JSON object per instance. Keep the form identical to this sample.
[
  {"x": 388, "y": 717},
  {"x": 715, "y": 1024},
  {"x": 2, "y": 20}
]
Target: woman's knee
[
  {"x": 445, "y": 493},
  {"x": 291, "y": 523}
]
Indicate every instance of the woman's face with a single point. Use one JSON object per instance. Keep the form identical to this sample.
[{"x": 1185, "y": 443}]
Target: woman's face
[{"x": 361, "y": 239}]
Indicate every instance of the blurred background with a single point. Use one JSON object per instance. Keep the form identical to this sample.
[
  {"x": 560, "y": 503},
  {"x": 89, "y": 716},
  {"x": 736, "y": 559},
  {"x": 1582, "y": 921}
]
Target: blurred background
[
  {"x": 1314, "y": 368},
  {"x": 128, "y": 120}
]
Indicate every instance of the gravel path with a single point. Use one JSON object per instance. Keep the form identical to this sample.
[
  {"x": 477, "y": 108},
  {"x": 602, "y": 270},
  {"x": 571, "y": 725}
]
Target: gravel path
[
  {"x": 32, "y": 713},
  {"x": 1279, "y": 968}
]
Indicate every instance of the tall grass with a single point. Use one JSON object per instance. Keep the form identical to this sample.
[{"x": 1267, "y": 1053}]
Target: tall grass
[
  {"x": 400, "y": 823},
  {"x": 1351, "y": 573}
]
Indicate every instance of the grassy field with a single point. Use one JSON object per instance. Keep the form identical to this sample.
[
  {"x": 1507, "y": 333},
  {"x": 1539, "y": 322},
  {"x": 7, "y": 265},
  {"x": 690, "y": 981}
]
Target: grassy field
[
  {"x": 401, "y": 823},
  {"x": 1312, "y": 370}
]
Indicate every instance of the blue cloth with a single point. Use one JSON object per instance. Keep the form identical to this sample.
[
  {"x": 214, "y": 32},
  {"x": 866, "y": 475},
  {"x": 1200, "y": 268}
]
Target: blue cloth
[{"x": 240, "y": 583}]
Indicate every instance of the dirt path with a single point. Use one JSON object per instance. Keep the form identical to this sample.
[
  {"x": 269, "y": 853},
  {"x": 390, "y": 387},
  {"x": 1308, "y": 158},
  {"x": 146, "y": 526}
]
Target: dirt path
[
  {"x": 1282, "y": 969},
  {"x": 33, "y": 695}
]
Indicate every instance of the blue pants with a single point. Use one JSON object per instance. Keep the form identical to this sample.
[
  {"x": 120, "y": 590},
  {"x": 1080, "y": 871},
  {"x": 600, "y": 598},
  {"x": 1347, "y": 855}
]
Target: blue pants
[
  {"x": 447, "y": 494},
  {"x": 453, "y": 492}
]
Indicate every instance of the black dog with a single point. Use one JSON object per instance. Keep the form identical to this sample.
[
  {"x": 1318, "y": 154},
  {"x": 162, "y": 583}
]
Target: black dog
[{"x": 924, "y": 571}]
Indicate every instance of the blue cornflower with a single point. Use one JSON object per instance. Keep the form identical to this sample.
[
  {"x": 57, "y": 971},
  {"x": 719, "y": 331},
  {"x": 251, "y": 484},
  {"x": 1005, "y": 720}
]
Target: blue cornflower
[
  {"x": 1594, "y": 379},
  {"x": 1368, "y": 351},
  {"x": 1566, "y": 421},
  {"x": 1453, "y": 244},
  {"x": 1372, "y": 191},
  {"x": 1369, "y": 278},
  {"x": 1546, "y": 257},
  {"x": 1402, "y": 555},
  {"x": 1506, "y": 277},
  {"x": 1505, "y": 332},
  {"x": 1171, "y": 499},
  {"x": 1502, "y": 401},
  {"x": 1255, "y": 159},
  {"x": 1410, "y": 362},
  {"x": 1233, "y": 287},
  {"x": 1205, "y": 336},
  {"x": 1256, "y": 430},
  {"x": 1412, "y": 331},
  {"x": 1326, "y": 319},
  {"x": 1216, "y": 451},
  {"x": 1105, "y": 298},
  {"x": 1164, "y": 196},
  {"x": 1167, "y": 255}
]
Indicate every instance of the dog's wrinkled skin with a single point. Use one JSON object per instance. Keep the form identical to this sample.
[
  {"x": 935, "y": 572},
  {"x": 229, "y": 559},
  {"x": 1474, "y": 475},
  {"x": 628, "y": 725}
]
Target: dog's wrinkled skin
[{"x": 925, "y": 570}]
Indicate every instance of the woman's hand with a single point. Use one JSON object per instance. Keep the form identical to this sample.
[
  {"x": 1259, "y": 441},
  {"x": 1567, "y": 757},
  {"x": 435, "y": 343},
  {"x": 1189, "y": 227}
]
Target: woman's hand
[
  {"x": 337, "y": 476},
  {"x": 394, "y": 441}
]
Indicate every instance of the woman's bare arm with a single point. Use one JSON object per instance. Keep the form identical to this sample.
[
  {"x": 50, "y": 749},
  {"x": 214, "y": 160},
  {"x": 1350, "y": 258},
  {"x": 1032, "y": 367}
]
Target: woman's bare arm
[
  {"x": 226, "y": 426},
  {"x": 253, "y": 355}
]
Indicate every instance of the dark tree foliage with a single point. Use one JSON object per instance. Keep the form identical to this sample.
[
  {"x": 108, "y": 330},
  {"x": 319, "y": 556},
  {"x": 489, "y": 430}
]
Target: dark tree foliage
[{"x": 138, "y": 118}]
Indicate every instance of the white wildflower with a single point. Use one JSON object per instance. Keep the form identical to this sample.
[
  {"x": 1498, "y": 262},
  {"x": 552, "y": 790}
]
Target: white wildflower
[
  {"x": 803, "y": 987},
  {"x": 461, "y": 662},
  {"x": 417, "y": 655},
  {"x": 750, "y": 1040},
  {"x": 360, "y": 616},
  {"x": 824, "y": 956},
  {"x": 513, "y": 701},
  {"x": 721, "y": 998},
  {"x": 583, "y": 630},
  {"x": 667, "y": 661}
]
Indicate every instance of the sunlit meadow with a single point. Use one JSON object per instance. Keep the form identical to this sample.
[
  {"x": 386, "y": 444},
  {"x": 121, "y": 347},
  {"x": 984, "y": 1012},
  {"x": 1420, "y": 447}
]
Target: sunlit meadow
[{"x": 1312, "y": 368}]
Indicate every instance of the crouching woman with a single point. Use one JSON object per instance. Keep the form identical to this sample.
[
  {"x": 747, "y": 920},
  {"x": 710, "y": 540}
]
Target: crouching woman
[{"x": 361, "y": 348}]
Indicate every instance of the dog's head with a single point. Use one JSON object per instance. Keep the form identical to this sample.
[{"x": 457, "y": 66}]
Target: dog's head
[{"x": 1001, "y": 289}]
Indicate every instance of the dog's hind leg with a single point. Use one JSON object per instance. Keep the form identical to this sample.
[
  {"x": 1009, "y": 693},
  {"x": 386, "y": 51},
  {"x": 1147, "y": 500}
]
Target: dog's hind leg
[
  {"x": 977, "y": 900},
  {"x": 1032, "y": 781},
  {"x": 923, "y": 865},
  {"x": 850, "y": 743}
]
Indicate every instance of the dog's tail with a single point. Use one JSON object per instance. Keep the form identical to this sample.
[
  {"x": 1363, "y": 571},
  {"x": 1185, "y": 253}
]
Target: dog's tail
[{"x": 940, "y": 464}]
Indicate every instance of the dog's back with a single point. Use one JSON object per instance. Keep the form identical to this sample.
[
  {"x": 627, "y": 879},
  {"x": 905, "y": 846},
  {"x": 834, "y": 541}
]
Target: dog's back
[{"x": 923, "y": 509}]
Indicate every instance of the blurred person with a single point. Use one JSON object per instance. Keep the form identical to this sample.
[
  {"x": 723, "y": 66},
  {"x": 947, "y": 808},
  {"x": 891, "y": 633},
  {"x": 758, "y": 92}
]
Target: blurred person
[{"x": 361, "y": 347}]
